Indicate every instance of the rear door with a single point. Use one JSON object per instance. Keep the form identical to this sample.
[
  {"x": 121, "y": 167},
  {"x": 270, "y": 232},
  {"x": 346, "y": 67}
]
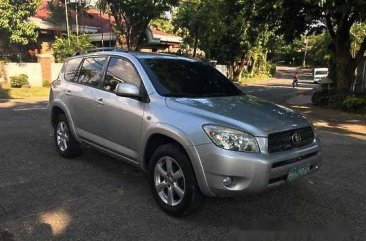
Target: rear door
[
  {"x": 68, "y": 87},
  {"x": 83, "y": 92},
  {"x": 119, "y": 119}
]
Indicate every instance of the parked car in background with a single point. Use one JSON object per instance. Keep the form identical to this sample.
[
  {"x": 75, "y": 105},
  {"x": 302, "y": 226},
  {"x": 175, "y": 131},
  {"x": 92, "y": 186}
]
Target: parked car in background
[
  {"x": 319, "y": 74},
  {"x": 183, "y": 122}
]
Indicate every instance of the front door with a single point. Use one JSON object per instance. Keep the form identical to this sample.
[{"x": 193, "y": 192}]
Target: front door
[{"x": 119, "y": 119}]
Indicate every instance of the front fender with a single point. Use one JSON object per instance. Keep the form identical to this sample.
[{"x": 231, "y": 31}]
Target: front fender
[{"x": 182, "y": 138}]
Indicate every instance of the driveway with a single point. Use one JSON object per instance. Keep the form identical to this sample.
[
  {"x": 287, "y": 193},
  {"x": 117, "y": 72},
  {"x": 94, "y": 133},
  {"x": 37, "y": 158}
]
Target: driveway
[{"x": 94, "y": 197}]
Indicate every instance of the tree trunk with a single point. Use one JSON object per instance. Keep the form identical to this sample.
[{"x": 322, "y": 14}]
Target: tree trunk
[
  {"x": 238, "y": 69},
  {"x": 345, "y": 64},
  {"x": 141, "y": 36},
  {"x": 252, "y": 68},
  {"x": 345, "y": 72}
]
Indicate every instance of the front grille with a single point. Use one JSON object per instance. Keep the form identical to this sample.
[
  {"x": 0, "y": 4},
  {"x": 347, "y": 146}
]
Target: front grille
[{"x": 282, "y": 141}]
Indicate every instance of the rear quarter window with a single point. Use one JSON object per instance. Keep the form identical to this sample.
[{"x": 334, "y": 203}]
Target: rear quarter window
[{"x": 71, "y": 68}]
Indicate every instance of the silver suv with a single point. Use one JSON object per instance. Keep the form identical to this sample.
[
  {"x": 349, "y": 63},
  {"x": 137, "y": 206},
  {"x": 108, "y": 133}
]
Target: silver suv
[{"x": 182, "y": 121}]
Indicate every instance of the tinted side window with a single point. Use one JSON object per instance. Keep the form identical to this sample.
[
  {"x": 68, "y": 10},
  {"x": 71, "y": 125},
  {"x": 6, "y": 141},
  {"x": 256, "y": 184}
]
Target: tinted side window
[
  {"x": 120, "y": 71},
  {"x": 91, "y": 71},
  {"x": 71, "y": 68}
]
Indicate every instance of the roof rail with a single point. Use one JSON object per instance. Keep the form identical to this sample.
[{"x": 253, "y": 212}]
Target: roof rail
[{"x": 100, "y": 50}]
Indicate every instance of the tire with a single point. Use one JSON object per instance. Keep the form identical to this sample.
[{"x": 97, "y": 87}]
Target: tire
[
  {"x": 175, "y": 204},
  {"x": 67, "y": 146}
]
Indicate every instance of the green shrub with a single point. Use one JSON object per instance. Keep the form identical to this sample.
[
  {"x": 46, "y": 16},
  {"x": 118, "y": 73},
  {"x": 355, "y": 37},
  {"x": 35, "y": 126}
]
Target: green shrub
[
  {"x": 64, "y": 47},
  {"x": 46, "y": 83},
  {"x": 271, "y": 68},
  {"x": 354, "y": 103},
  {"x": 247, "y": 75},
  {"x": 19, "y": 81}
]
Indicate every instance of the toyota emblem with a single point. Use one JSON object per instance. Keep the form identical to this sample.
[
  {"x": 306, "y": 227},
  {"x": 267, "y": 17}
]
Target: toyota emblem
[{"x": 296, "y": 139}]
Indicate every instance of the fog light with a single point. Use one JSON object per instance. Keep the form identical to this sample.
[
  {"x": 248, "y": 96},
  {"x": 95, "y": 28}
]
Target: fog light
[{"x": 227, "y": 181}]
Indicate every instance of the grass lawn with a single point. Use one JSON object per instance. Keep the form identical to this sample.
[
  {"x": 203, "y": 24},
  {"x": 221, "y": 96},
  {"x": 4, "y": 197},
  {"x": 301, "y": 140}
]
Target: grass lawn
[{"x": 20, "y": 93}]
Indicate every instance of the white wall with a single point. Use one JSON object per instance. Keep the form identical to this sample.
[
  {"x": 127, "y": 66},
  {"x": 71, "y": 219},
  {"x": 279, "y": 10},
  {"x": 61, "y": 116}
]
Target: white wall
[
  {"x": 32, "y": 70},
  {"x": 55, "y": 70}
]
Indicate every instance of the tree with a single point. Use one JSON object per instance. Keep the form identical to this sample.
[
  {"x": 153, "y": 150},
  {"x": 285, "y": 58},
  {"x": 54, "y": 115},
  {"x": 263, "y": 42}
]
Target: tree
[
  {"x": 131, "y": 18},
  {"x": 64, "y": 47},
  {"x": 338, "y": 17},
  {"x": 191, "y": 20},
  {"x": 236, "y": 32},
  {"x": 15, "y": 28},
  {"x": 163, "y": 24},
  {"x": 358, "y": 33}
]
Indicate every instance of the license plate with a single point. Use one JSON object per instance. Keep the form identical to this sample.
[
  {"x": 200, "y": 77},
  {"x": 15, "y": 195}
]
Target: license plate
[{"x": 297, "y": 172}]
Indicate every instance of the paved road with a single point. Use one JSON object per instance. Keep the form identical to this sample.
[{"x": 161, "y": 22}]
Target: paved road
[{"x": 94, "y": 197}]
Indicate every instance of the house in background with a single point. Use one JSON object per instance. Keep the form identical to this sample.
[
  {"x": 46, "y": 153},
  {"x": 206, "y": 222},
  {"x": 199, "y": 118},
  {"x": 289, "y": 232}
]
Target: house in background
[{"x": 99, "y": 28}]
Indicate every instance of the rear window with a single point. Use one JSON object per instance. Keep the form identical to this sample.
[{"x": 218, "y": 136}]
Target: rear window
[
  {"x": 321, "y": 72},
  {"x": 71, "y": 68}
]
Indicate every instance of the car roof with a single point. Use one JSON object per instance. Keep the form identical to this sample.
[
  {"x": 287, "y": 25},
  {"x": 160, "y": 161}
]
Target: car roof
[
  {"x": 143, "y": 55},
  {"x": 138, "y": 55}
]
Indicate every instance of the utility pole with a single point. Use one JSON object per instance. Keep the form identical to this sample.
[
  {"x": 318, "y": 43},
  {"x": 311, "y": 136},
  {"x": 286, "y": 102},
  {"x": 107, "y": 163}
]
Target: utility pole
[
  {"x": 76, "y": 17},
  {"x": 67, "y": 22},
  {"x": 101, "y": 25},
  {"x": 305, "y": 51}
]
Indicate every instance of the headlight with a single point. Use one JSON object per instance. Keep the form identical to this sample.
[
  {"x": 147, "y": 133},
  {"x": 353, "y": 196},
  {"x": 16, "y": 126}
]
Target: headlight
[{"x": 231, "y": 139}]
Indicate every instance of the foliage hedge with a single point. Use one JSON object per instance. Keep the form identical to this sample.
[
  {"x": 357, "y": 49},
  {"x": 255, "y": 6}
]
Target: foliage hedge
[
  {"x": 354, "y": 103},
  {"x": 331, "y": 98},
  {"x": 46, "y": 83},
  {"x": 19, "y": 81}
]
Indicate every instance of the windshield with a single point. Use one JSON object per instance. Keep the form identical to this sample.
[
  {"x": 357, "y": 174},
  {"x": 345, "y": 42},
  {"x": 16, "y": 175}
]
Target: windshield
[{"x": 185, "y": 78}]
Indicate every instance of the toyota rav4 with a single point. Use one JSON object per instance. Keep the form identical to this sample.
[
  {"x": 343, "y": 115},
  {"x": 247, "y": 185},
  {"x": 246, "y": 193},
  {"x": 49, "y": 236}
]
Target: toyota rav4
[{"x": 189, "y": 127}]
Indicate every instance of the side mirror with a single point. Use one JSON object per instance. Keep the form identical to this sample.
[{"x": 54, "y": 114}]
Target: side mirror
[{"x": 127, "y": 90}]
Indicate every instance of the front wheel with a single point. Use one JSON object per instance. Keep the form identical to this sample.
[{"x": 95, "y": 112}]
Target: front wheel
[{"x": 173, "y": 182}]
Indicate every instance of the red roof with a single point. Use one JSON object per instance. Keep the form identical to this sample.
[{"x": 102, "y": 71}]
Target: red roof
[
  {"x": 95, "y": 19},
  {"x": 156, "y": 31},
  {"x": 43, "y": 11}
]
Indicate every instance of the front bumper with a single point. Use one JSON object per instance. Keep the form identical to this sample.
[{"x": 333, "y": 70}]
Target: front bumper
[{"x": 252, "y": 172}]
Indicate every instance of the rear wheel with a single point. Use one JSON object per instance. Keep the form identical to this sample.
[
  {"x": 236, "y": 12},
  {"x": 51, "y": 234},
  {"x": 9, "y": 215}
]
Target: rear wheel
[
  {"x": 65, "y": 142},
  {"x": 173, "y": 182}
]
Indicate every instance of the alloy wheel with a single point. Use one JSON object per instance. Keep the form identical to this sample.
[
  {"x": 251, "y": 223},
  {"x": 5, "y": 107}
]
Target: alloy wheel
[
  {"x": 169, "y": 181},
  {"x": 62, "y": 136}
]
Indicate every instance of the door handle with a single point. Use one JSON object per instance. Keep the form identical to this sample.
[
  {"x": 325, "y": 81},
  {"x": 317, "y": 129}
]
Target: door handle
[
  {"x": 100, "y": 101},
  {"x": 68, "y": 92}
]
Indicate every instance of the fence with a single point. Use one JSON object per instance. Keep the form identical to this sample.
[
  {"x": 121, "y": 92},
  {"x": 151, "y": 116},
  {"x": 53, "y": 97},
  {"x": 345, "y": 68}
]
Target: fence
[
  {"x": 44, "y": 70},
  {"x": 32, "y": 70}
]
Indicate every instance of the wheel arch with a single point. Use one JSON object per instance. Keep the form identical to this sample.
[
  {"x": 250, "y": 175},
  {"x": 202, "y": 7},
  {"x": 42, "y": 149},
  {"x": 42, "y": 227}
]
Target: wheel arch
[
  {"x": 164, "y": 133},
  {"x": 58, "y": 108}
]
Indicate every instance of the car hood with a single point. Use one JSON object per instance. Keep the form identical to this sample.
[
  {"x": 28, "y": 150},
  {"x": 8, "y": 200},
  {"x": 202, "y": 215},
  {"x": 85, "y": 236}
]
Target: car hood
[{"x": 249, "y": 113}]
